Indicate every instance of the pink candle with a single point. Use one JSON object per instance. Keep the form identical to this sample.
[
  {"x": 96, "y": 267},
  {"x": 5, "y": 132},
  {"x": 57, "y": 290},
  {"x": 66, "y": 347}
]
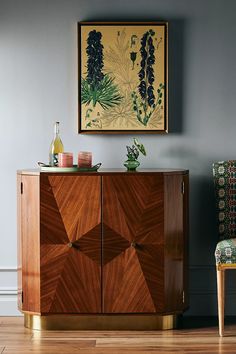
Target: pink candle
[
  {"x": 85, "y": 159},
  {"x": 65, "y": 159}
]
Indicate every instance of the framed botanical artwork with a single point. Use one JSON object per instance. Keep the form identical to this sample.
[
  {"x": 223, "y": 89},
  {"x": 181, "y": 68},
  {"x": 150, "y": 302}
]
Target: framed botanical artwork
[{"x": 123, "y": 78}]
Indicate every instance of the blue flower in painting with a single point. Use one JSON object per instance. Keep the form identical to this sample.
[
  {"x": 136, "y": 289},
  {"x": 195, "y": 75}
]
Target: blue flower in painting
[{"x": 95, "y": 63}]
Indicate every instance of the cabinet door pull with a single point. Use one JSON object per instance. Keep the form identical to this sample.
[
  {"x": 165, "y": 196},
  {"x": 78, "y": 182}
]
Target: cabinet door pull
[
  {"x": 135, "y": 244},
  {"x": 182, "y": 187},
  {"x": 73, "y": 245}
]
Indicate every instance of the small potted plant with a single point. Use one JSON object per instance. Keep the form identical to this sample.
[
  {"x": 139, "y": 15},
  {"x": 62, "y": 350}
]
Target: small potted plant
[{"x": 133, "y": 153}]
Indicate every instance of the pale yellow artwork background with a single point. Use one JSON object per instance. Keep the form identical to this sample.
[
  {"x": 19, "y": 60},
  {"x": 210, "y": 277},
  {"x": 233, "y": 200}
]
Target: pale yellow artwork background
[{"x": 116, "y": 40}]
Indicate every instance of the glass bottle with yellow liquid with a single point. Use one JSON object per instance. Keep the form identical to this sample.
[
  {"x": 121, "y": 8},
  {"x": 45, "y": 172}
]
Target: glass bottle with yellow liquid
[{"x": 55, "y": 147}]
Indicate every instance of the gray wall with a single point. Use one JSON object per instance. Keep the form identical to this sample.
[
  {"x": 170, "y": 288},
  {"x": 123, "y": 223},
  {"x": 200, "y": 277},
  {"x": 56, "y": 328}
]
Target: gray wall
[{"x": 38, "y": 85}]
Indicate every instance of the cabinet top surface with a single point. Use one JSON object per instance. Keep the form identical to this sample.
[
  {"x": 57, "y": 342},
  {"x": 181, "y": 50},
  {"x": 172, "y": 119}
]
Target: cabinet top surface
[{"x": 107, "y": 171}]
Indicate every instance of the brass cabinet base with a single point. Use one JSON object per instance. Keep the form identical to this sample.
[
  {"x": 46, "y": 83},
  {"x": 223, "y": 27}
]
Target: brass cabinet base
[{"x": 100, "y": 322}]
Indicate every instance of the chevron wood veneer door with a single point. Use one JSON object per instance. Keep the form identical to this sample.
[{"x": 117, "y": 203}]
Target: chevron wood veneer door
[
  {"x": 70, "y": 238},
  {"x": 133, "y": 244}
]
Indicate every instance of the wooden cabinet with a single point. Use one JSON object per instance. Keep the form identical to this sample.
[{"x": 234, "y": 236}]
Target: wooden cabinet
[{"x": 102, "y": 244}]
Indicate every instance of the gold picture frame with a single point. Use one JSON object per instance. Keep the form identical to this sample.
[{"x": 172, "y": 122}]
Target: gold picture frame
[{"x": 123, "y": 77}]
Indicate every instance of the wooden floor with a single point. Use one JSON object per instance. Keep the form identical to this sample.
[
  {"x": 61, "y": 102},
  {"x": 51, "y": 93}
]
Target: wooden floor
[{"x": 196, "y": 336}]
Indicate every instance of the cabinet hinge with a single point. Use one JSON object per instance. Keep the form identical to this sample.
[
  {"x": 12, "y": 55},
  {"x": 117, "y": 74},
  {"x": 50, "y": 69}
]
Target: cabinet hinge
[
  {"x": 183, "y": 297},
  {"x": 21, "y": 188},
  {"x": 182, "y": 187},
  {"x": 22, "y": 297}
]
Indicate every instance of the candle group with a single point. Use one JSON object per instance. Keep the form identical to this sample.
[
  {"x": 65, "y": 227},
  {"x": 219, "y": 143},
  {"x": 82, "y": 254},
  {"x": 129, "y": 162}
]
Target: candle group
[
  {"x": 85, "y": 159},
  {"x": 65, "y": 159}
]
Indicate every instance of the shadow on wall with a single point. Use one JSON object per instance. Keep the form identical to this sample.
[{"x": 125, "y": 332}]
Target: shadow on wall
[
  {"x": 176, "y": 75},
  {"x": 203, "y": 237},
  {"x": 202, "y": 242},
  {"x": 203, "y": 228}
]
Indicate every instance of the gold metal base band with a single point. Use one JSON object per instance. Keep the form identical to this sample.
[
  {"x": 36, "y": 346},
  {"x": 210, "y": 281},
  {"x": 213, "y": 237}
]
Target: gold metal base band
[{"x": 100, "y": 322}]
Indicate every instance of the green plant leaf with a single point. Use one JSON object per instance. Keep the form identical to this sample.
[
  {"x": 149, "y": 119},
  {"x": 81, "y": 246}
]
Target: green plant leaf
[
  {"x": 140, "y": 146},
  {"x": 106, "y": 93}
]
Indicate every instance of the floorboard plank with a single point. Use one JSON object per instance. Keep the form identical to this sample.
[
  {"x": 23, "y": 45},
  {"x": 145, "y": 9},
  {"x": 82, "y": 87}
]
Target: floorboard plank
[{"x": 195, "y": 336}]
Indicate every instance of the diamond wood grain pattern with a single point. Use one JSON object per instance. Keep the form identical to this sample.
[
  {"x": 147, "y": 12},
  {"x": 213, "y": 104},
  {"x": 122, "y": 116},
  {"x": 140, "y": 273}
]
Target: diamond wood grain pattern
[
  {"x": 113, "y": 244},
  {"x": 70, "y": 244},
  {"x": 133, "y": 223}
]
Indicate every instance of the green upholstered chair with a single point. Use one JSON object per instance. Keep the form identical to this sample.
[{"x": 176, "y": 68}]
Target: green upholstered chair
[{"x": 224, "y": 173}]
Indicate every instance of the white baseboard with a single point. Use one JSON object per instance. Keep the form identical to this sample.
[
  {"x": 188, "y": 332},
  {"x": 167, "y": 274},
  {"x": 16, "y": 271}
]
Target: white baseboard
[
  {"x": 8, "y": 292},
  {"x": 202, "y": 291},
  {"x": 8, "y": 305}
]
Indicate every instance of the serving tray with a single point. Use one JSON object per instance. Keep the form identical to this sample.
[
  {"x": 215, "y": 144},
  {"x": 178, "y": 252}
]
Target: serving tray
[{"x": 75, "y": 168}]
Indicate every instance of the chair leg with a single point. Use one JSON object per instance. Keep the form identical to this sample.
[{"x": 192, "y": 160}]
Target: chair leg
[{"x": 221, "y": 299}]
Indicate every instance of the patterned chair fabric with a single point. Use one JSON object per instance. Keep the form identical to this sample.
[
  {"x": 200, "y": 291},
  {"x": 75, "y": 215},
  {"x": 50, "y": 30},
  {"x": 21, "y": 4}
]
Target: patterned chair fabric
[
  {"x": 226, "y": 251},
  {"x": 224, "y": 174}
]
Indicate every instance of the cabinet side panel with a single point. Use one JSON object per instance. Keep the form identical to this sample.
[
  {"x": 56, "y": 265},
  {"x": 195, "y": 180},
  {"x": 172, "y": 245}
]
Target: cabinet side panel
[
  {"x": 30, "y": 243},
  {"x": 186, "y": 239},
  {"x": 19, "y": 245},
  {"x": 174, "y": 244}
]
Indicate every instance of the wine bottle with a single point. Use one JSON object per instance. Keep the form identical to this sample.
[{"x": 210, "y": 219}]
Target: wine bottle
[{"x": 55, "y": 147}]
